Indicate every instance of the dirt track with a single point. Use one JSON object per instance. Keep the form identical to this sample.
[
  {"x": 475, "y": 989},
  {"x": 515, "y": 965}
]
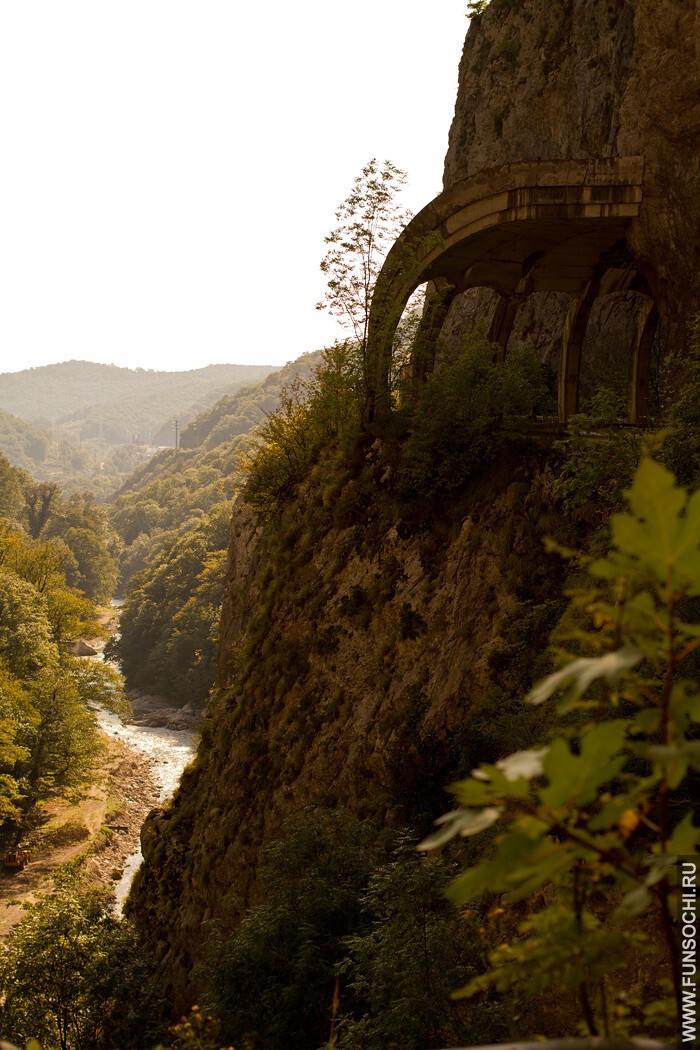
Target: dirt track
[{"x": 103, "y": 825}]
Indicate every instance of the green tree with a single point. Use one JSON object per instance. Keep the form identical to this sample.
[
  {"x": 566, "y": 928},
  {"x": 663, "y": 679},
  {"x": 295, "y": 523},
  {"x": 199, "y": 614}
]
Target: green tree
[
  {"x": 17, "y": 717},
  {"x": 169, "y": 621},
  {"x": 98, "y": 684},
  {"x": 11, "y": 500},
  {"x": 599, "y": 459},
  {"x": 82, "y": 526},
  {"x": 314, "y": 416},
  {"x": 466, "y": 413},
  {"x": 62, "y": 741},
  {"x": 273, "y": 978},
  {"x": 42, "y": 565},
  {"x": 369, "y": 221},
  {"x": 73, "y": 977},
  {"x": 600, "y": 813},
  {"x": 411, "y": 952},
  {"x": 27, "y": 643},
  {"x": 681, "y": 447},
  {"x": 40, "y": 497}
]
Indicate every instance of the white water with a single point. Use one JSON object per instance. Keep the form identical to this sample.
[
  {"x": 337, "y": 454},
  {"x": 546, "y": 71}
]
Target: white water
[{"x": 168, "y": 752}]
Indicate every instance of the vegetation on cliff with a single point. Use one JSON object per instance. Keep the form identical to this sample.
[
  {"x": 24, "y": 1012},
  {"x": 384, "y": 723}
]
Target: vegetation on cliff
[
  {"x": 599, "y": 815},
  {"x": 327, "y": 493},
  {"x": 345, "y": 906}
]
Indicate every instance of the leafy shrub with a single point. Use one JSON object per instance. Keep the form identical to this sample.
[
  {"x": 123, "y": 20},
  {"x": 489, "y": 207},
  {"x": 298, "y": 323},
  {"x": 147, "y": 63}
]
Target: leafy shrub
[
  {"x": 599, "y": 458},
  {"x": 352, "y": 932},
  {"x": 274, "y": 976},
  {"x": 681, "y": 449},
  {"x": 413, "y": 952},
  {"x": 72, "y": 977},
  {"x": 603, "y": 807},
  {"x": 463, "y": 415},
  {"x": 314, "y": 416}
]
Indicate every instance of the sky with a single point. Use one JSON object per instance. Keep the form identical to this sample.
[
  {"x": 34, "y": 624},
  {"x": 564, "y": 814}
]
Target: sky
[{"x": 171, "y": 167}]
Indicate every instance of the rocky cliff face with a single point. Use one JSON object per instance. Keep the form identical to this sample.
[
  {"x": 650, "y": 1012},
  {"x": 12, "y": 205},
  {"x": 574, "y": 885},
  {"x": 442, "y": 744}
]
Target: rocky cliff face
[
  {"x": 584, "y": 78},
  {"x": 366, "y": 661},
  {"x": 366, "y": 666}
]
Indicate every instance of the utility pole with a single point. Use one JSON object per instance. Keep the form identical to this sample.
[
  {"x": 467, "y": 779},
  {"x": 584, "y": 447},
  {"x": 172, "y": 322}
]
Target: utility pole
[{"x": 177, "y": 430}]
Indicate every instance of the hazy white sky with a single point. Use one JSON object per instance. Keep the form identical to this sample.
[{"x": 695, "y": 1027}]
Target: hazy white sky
[{"x": 170, "y": 167}]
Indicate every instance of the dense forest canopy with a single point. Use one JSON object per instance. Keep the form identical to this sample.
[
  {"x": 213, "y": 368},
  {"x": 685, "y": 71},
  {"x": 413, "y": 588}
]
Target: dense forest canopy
[
  {"x": 87, "y": 425},
  {"x": 56, "y": 563},
  {"x": 172, "y": 517}
]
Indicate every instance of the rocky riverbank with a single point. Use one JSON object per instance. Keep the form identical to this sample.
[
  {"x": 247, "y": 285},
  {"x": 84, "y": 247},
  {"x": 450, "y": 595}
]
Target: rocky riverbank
[
  {"x": 101, "y": 825},
  {"x": 158, "y": 711}
]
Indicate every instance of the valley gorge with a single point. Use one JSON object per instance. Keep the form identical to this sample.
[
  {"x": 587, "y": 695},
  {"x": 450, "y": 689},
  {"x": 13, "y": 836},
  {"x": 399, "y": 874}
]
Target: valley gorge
[
  {"x": 421, "y": 608},
  {"x": 373, "y": 648}
]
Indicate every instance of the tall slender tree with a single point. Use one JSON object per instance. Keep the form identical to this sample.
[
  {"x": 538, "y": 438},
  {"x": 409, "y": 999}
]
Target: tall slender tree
[{"x": 369, "y": 221}]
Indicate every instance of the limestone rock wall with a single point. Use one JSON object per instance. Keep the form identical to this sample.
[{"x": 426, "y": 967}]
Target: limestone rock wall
[
  {"x": 585, "y": 78},
  {"x": 370, "y": 668}
]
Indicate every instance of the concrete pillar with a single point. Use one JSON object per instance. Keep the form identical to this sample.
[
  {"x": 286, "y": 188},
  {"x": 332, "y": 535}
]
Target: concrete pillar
[
  {"x": 438, "y": 300},
  {"x": 503, "y": 321},
  {"x": 571, "y": 348},
  {"x": 640, "y": 362}
]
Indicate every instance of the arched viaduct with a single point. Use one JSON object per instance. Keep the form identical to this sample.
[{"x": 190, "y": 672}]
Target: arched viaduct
[{"x": 521, "y": 228}]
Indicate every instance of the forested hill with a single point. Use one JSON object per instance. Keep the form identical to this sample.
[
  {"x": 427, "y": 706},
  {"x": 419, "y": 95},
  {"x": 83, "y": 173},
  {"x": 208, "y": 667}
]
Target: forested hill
[
  {"x": 24, "y": 444},
  {"x": 207, "y": 440},
  {"x": 87, "y": 426},
  {"x": 172, "y": 515},
  {"x": 69, "y": 390}
]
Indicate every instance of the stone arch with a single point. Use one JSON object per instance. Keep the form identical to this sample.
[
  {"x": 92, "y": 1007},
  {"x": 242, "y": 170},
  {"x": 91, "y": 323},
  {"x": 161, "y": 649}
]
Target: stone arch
[
  {"x": 621, "y": 278},
  {"x": 545, "y": 226}
]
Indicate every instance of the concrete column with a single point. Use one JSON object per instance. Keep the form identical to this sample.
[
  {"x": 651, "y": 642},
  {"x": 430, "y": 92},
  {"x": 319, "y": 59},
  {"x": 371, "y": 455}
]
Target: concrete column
[
  {"x": 571, "y": 348},
  {"x": 640, "y": 362},
  {"x": 502, "y": 323},
  {"x": 438, "y": 300}
]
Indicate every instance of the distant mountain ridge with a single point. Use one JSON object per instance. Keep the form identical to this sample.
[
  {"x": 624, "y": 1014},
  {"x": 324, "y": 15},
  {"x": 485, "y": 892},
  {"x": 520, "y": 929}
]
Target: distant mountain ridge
[
  {"x": 88, "y": 425},
  {"x": 66, "y": 391}
]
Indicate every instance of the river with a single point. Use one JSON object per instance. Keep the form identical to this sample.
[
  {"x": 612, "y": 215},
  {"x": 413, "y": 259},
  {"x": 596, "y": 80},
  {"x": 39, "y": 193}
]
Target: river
[{"x": 167, "y": 751}]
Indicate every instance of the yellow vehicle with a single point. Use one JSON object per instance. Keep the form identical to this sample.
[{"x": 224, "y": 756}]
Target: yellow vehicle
[{"x": 16, "y": 859}]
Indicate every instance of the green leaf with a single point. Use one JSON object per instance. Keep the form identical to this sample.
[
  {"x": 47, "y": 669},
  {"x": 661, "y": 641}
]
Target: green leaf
[
  {"x": 540, "y": 870},
  {"x": 685, "y": 838},
  {"x": 577, "y": 779},
  {"x": 609, "y": 814},
  {"x": 647, "y": 720},
  {"x": 579, "y": 674},
  {"x": 688, "y": 552},
  {"x": 604, "y": 569},
  {"x": 655, "y": 498},
  {"x": 635, "y": 902},
  {"x": 497, "y": 875},
  {"x": 523, "y": 764},
  {"x": 499, "y": 785},
  {"x": 472, "y": 792},
  {"x": 692, "y": 750},
  {"x": 673, "y": 761},
  {"x": 464, "y": 822}
]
